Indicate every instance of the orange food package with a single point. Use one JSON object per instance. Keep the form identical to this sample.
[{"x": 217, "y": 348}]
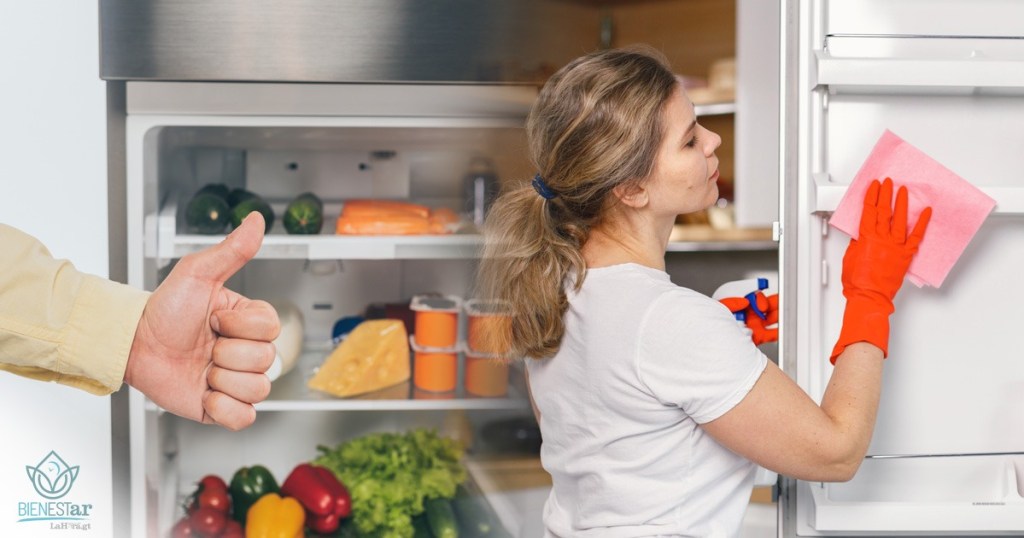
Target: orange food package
[
  {"x": 389, "y": 217},
  {"x": 486, "y": 375},
  {"x": 434, "y": 369},
  {"x": 437, "y": 320}
]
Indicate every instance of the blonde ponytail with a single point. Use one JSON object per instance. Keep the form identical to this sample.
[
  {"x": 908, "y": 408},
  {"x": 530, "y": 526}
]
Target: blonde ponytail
[{"x": 596, "y": 125}]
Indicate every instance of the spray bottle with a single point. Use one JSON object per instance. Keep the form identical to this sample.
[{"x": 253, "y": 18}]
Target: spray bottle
[{"x": 740, "y": 294}]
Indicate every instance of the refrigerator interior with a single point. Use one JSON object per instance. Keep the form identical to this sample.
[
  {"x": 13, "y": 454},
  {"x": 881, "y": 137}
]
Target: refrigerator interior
[
  {"x": 364, "y": 150},
  {"x": 953, "y": 377}
]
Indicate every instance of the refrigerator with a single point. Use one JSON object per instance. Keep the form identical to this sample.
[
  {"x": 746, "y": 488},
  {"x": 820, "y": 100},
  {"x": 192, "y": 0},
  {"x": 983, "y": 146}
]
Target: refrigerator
[
  {"x": 342, "y": 142},
  {"x": 947, "y": 455},
  {"x": 367, "y": 99}
]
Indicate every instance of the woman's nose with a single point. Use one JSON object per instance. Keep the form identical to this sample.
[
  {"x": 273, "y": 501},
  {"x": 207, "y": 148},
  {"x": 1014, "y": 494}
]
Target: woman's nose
[{"x": 713, "y": 142}]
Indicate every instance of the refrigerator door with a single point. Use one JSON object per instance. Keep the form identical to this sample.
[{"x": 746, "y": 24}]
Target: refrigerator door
[{"x": 947, "y": 456}]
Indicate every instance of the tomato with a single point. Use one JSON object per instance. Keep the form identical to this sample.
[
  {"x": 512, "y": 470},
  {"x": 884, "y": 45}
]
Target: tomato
[
  {"x": 182, "y": 529},
  {"x": 214, "y": 482},
  {"x": 207, "y": 522},
  {"x": 217, "y": 499},
  {"x": 211, "y": 492},
  {"x": 233, "y": 529}
]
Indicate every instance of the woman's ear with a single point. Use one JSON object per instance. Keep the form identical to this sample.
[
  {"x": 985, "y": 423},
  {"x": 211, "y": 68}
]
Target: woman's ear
[{"x": 632, "y": 194}]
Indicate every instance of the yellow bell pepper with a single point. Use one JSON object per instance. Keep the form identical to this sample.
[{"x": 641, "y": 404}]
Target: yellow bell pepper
[{"x": 273, "y": 516}]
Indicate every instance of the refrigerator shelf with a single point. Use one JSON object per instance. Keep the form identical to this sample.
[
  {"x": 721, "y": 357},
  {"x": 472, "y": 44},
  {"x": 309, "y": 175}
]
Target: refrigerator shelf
[
  {"x": 827, "y": 195},
  {"x": 164, "y": 242},
  {"x": 290, "y": 393}
]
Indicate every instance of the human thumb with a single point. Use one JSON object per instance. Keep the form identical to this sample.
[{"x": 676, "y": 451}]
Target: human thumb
[{"x": 223, "y": 260}]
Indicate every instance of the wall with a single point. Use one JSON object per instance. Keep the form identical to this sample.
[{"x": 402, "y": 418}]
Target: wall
[{"x": 53, "y": 186}]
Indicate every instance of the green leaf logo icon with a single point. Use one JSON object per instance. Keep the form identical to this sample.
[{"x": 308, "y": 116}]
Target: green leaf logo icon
[{"x": 52, "y": 478}]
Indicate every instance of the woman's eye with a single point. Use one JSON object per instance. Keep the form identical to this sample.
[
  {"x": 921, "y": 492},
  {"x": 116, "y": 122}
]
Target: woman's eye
[{"x": 692, "y": 142}]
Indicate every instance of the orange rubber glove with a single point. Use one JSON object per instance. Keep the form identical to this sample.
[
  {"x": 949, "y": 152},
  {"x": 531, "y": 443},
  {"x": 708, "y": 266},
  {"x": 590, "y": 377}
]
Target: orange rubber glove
[
  {"x": 765, "y": 330},
  {"x": 874, "y": 266},
  {"x": 769, "y": 305}
]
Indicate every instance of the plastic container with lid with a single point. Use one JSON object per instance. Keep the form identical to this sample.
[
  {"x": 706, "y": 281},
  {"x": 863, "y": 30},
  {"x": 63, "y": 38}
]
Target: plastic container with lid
[
  {"x": 437, "y": 320},
  {"x": 434, "y": 369},
  {"x": 486, "y": 320},
  {"x": 486, "y": 375}
]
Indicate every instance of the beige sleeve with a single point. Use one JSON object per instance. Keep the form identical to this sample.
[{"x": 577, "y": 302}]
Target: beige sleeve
[{"x": 57, "y": 324}]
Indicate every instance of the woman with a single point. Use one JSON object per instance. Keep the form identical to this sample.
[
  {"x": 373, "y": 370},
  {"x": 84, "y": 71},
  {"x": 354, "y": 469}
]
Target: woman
[{"x": 653, "y": 404}]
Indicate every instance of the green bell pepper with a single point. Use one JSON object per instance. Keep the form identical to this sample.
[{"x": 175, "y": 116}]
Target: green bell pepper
[{"x": 247, "y": 485}]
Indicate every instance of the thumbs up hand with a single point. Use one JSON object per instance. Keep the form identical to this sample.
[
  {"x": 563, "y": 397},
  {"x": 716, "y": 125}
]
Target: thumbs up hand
[{"x": 201, "y": 350}]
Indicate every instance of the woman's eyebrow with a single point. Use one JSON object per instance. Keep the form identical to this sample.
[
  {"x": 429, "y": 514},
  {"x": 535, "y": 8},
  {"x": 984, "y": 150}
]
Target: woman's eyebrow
[{"x": 693, "y": 124}]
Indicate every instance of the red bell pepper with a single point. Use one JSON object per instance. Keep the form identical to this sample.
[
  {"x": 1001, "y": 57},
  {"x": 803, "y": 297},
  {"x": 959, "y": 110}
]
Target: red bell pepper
[{"x": 324, "y": 497}]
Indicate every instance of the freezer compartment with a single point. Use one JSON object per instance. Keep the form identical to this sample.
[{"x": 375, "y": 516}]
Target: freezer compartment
[{"x": 925, "y": 495}]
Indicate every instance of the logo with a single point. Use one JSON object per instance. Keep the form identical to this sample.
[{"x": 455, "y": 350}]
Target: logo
[{"x": 52, "y": 478}]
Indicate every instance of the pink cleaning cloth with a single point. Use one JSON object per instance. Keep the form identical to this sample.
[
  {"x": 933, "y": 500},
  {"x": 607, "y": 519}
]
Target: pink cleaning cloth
[{"x": 958, "y": 207}]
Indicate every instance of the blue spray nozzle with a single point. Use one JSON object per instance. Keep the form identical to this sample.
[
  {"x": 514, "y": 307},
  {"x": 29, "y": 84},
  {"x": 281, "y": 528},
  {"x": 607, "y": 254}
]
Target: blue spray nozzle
[{"x": 752, "y": 301}]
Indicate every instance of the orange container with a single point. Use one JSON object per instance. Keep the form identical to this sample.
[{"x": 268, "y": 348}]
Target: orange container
[
  {"x": 437, "y": 320},
  {"x": 434, "y": 369},
  {"x": 487, "y": 323},
  {"x": 486, "y": 375}
]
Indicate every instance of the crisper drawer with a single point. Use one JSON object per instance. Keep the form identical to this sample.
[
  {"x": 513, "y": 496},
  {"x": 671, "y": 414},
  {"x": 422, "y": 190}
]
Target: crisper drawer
[{"x": 930, "y": 17}]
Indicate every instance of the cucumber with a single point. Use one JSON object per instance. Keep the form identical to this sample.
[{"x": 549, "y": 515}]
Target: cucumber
[
  {"x": 242, "y": 210},
  {"x": 206, "y": 213},
  {"x": 473, "y": 515},
  {"x": 218, "y": 189},
  {"x": 441, "y": 518},
  {"x": 420, "y": 527},
  {"x": 237, "y": 196},
  {"x": 304, "y": 215}
]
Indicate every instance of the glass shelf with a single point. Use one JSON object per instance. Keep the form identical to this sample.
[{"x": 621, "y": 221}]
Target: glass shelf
[
  {"x": 290, "y": 393},
  {"x": 165, "y": 243}
]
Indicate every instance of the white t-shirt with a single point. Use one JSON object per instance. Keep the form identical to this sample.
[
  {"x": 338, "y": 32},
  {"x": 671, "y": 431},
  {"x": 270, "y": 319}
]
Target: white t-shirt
[{"x": 642, "y": 364}]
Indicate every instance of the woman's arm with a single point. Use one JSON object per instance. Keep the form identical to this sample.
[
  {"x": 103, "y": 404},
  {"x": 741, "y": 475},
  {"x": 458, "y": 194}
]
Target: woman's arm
[
  {"x": 777, "y": 425},
  {"x": 780, "y": 428}
]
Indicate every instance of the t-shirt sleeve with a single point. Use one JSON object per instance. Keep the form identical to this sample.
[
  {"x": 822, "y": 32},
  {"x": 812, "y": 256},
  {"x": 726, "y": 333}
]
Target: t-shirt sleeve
[{"x": 694, "y": 355}]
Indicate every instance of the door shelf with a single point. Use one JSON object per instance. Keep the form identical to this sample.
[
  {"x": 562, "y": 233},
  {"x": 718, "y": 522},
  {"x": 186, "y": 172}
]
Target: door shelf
[
  {"x": 999, "y": 511},
  {"x": 856, "y": 75},
  {"x": 856, "y": 63},
  {"x": 828, "y": 195}
]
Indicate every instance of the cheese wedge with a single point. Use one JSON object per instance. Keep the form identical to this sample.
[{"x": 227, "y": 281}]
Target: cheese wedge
[{"x": 373, "y": 356}]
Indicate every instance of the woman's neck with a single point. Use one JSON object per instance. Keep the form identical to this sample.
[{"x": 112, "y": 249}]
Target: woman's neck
[{"x": 607, "y": 246}]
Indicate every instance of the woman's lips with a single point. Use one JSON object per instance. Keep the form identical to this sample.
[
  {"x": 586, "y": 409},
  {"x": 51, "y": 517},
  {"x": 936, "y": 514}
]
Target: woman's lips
[{"x": 714, "y": 177}]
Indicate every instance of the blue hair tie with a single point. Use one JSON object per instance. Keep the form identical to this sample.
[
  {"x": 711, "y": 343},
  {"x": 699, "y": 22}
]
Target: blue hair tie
[{"x": 542, "y": 188}]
